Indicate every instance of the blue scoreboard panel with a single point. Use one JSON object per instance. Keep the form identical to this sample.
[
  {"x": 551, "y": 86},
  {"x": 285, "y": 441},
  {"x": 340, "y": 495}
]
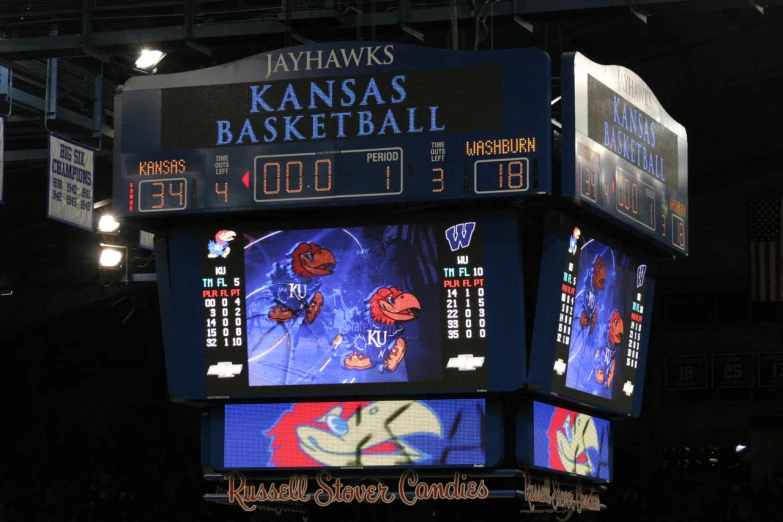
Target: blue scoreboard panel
[
  {"x": 391, "y": 306},
  {"x": 592, "y": 320},
  {"x": 334, "y": 124},
  {"x": 565, "y": 441},
  {"x": 420, "y": 433},
  {"x": 623, "y": 155}
]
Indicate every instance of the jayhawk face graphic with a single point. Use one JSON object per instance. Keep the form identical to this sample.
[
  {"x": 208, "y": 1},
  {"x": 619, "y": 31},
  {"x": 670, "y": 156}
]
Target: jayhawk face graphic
[
  {"x": 599, "y": 273},
  {"x": 391, "y": 305},
  {"x": 573, "y": 443},
  {"x": 309, "y": 259},
  {"x": 219, "y": 247},
  {"x": 351, "y": 434},
  {"x": 616, "y": 328}
]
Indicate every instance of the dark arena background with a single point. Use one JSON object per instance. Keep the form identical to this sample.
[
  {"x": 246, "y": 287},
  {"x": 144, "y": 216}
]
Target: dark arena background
[{"x": 532, "y": 243}]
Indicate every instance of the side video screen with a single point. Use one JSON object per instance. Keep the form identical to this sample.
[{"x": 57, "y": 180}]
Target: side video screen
[
  {"x": 572, "y": 442},
  {"x": 592, "y": 321}
]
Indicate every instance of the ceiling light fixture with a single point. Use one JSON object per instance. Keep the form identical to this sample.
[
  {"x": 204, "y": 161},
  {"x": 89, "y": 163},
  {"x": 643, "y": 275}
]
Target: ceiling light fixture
[
  {"x": 107, "y": 224},
  {"x": 149, "y": 58},
  {"x": 110, "y": 258}
]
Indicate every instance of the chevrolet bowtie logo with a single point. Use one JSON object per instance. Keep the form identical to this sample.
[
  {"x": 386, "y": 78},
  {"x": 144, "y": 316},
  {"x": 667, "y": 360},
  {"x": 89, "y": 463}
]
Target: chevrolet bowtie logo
[
  {"x": 465, "y": 363},
  {"x": 225, "y": 370},
  {"x": 560, "y": 367}
]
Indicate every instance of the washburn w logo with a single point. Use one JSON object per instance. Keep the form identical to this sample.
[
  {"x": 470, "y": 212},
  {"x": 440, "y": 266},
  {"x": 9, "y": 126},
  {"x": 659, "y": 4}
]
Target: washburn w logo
[
  {"x": 640, "y": 273},
  {"x": 459, "y": 236}
]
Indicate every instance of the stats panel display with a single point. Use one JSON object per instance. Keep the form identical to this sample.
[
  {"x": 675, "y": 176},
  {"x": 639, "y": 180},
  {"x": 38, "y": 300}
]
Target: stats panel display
[
  {"x": 623, "y": 155},
  {"x": 334, "y": 124},
  {"x": 592, "y": 319},
  {"x": 562, "y": 440},
  {"x": 366, "y": 434},
  {"x": 262, "y": 311}
]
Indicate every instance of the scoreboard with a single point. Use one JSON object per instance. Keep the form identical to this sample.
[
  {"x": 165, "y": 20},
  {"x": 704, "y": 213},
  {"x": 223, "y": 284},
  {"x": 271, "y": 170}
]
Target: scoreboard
[
  {"x": 334, "y": 125},
  {"x": 433, "y": 304},
  {"x": 623, "y": 155},
  {"x": 342, "y": 221},
  {"x": 592, "y": 319}
]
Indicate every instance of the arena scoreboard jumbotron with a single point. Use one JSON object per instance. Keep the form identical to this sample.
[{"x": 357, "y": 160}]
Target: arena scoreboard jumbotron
[
  {"x": 334, "y": 124},
  {"x": 623, "y": 155}
]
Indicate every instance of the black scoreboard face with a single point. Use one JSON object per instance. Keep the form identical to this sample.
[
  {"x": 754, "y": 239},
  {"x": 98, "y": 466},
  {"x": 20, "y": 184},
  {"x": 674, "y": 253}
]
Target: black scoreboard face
[
  {"x": 390, "y": 307},
  {"x": 592, "y": 319},
  {"x": 334, "y": 124}
]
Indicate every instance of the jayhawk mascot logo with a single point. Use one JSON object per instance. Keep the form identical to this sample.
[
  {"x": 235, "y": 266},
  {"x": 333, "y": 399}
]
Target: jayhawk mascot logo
[
  {"x": 219, "y": 247},
  {"x": 314, "y": 435},
  {"x": 573, "y": 443}
]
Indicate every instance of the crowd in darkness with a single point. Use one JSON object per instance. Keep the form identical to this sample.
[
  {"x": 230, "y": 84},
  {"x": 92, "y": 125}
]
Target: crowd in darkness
[{"x": 94, "y": 437}]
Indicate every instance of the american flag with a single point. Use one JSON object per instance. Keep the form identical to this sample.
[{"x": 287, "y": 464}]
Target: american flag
[{"x": 766, "y": 250}]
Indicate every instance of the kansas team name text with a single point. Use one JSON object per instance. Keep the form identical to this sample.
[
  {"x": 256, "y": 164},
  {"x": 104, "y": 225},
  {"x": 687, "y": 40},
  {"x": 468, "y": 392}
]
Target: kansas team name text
[{"x": 328, "y": 109}]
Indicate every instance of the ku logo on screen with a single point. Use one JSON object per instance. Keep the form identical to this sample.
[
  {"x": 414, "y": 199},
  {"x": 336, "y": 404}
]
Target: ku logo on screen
[
  {"x": 338, "y": 306},
  {"x": 355, "y": 433},
  {"x": 569, "y": 441},
  {"x": 352, "y": 434},
  {"x": 605, "y": 287},
  {"x": 219, "y": 247},
  {"x": 389, "y": 308}
]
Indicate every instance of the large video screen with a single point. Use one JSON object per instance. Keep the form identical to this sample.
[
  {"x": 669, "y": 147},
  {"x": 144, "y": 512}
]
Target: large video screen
[
  {"x": 382, "y": 308},
  {"x": 571, "y": 442},
  {"x": 592, "y": 320},
  {"x": 383, "y": 433}
]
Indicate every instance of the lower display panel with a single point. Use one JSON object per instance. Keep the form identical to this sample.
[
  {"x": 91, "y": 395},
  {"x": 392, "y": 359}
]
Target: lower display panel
[
  {"x": 562, "y": 440},
  {"x": 354, "y": 434}
]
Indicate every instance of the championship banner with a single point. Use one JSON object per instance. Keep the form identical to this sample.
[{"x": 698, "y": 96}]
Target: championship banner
[
  {"x": 2, "y": 154},
  {"x": 71, "y": 169}
]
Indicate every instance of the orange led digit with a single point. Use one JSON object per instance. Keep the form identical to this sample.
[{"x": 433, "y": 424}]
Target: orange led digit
[
  {"x": 517, "y": 174},
  {"x": 439, "y": 179},
  {"x": 223, "y": 192},
  {"x": 181, "y": 192},
  {"x": 288, "y": 188},
  {"x": 328, "y": 175},
  {"x": 267, "y": 167},
  {"x": 161, "y": 194}
]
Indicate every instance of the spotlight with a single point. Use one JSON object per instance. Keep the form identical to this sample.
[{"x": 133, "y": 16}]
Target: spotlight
[
  {"x": 149, "y": 59},
  {"x": 107, "y": 224},
  {"x": 110, "y": 258}
]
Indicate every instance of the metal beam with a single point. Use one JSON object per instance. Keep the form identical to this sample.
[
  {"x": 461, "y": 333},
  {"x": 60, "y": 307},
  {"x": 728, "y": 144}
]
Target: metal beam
[
  {"x": 49, "y": 46},
  {"x": 24, "y": 98},
  {"x": 87, "y": 33}
]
